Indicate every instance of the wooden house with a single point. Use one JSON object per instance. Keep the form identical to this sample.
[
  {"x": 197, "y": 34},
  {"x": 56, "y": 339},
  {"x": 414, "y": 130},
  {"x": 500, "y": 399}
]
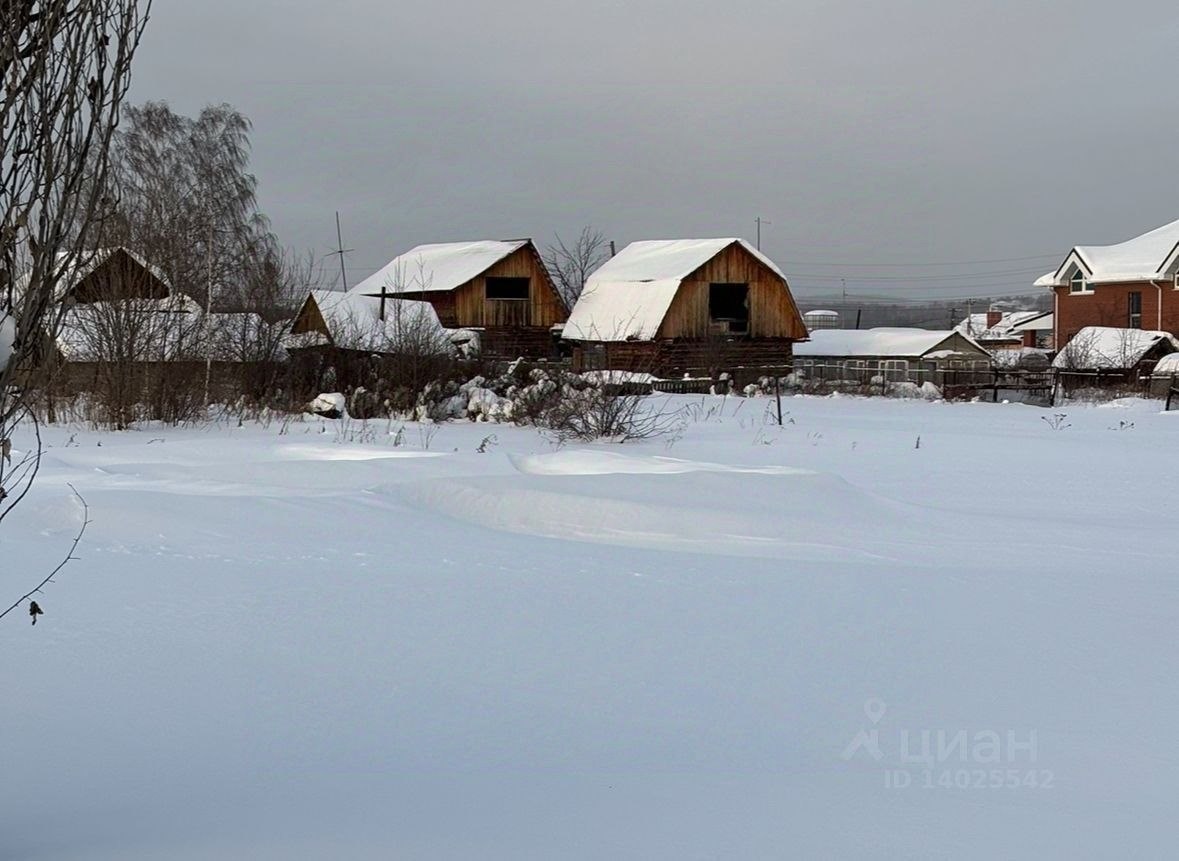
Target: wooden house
[
  {"x": 102, "y": 275},
  {"x": 862, "y": 356},
  {"x": 500, "y": 290},
  {"x": 352, "y": 322},
  {"x": 1132, "y": 285},
  {"x": 694, "y": 306},
  {"x": 115, "y": 306}
]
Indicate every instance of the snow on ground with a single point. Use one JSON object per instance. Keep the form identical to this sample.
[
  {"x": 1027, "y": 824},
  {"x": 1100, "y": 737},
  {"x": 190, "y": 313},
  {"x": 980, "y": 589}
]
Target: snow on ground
[{"x": 301, "y": 641}]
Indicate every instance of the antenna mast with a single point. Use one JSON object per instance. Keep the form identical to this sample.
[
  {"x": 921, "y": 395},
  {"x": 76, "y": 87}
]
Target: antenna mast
[{"x": 341, "y": 250}]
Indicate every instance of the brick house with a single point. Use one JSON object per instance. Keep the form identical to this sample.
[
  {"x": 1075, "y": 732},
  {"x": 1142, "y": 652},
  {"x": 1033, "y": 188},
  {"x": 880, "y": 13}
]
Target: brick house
[{"x": 1131, "y": 285}]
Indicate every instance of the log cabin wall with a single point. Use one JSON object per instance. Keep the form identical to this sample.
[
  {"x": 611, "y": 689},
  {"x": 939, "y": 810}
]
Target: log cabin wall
[
  {"x": 772, "y": 312},
  {"x": 745, "y": 358}
]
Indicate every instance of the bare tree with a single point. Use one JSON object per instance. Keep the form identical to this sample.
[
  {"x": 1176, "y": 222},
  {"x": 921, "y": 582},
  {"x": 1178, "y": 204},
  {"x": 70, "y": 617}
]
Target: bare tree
[
  {"x": 144, "y": 354},
  {"x": 65, "y": 66},
  {"x": 605, "y": 409},
  {"x": 186, "y": 200},
  {"x": 571, "y": 264}
]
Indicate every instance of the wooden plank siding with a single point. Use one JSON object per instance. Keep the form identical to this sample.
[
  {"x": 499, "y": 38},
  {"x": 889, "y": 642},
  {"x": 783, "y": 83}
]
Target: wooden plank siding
[
  {"x": 310, "y": 319},
  {"x": 745, "y": 358},
  {"x": 120, "y": 276},
  {"x": 467, "y": 306},
  {"x": 772, "y": 312}
]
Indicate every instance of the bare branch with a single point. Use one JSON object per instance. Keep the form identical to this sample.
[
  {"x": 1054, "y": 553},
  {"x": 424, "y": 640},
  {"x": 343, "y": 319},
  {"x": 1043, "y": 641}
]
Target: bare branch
[
  {"x": 69, "y": 557},
  {"x": 571, "y": 265}
]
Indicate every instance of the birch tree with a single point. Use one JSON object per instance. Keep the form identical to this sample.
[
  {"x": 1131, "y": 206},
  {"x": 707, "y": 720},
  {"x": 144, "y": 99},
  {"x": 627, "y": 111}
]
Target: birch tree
[{"x": 65, "y": 67}]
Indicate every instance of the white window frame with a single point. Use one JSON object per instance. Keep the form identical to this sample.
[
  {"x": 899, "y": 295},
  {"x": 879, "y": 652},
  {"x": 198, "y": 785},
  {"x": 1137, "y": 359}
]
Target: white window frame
[
  {"x": 1086, "y": 287},
  {"x": 894, "y": 370}
]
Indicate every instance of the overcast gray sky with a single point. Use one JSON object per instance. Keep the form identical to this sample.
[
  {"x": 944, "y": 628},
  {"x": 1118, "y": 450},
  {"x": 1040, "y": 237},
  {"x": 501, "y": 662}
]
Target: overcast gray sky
[{"x": 869, "y": 134}]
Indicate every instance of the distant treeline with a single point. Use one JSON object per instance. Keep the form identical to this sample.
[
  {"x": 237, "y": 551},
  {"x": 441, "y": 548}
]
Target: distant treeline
[{"x": 916, "y": 313}]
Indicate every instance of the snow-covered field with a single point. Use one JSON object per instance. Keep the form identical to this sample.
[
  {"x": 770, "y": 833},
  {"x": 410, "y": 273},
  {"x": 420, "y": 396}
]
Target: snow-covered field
[{"x": 734, "y": 642}]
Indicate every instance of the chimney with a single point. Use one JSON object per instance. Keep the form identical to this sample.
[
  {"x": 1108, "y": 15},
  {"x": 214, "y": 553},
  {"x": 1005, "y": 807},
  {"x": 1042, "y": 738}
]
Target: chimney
[{"x": 993, "y": 318}]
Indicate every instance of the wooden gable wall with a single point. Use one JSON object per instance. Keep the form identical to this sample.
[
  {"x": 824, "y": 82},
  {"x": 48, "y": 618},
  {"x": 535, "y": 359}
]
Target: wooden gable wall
[
  {"x": 468, "y": 307},
  {"x": 772, "y": 311},
  {"x": 310, "y": 319},
  {"x": 120, "y": 276}
]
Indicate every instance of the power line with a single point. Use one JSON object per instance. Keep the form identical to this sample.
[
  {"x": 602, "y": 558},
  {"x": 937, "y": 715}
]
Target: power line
[
  {"x": 926, "y": 263},
  {"x": 994, "y": 273}
]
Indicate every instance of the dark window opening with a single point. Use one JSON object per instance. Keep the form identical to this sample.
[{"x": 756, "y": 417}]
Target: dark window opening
[
  {"x": 507, "y": 289},
  {"x": 1134, "y": 310},
  {"x": 729, "y": 304}
]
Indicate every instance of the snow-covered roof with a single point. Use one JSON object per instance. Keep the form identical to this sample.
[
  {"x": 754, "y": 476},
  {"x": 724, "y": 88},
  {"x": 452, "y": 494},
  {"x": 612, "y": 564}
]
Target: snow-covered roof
[
  {"x": 1104, "y": 347},
  {"x": 169, "y": 329},
  {"x": 627, "y": 297},
  {"x": 245, "y": 336},
  {"x": 1019, "y": 357},
  {"x": 443, "y": 266},
  {"x": 1007, "y": 327},
  {"x": 132, "y": 329},
  {"x": 75, "y": 266},
  {"x": 1044, "y": 323},
  {"x": 354, "y": 322},
  {"x": 903, "y": 343},
  {"x": 1143, "y": 258},
  {"x": 1167, "y": 366}
]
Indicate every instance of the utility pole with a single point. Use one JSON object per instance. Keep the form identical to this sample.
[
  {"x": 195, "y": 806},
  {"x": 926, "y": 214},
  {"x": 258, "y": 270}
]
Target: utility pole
[
  {"x": 209, "y": 315},
  {"x": 760, "y": 221}
]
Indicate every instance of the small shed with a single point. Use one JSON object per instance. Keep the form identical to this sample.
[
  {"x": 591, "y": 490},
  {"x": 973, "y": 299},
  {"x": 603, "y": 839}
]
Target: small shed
[
  {"x": 500, "y": 289},
  {"x": 1165, "y": 375},
  {"x": 893, "y": 355},
  {"x": 1130, "y": 352},
  {"x": 677, "y": 306},
  {"x": 354, "y": 322}
]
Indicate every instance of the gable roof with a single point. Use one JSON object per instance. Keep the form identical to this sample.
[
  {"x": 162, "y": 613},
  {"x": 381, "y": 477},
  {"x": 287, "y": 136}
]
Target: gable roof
[
  {"x": 902, "y": 343},
  {"x": 1142, "y": 258},
  {"x": 354, "y": 322},
  {"x": 74, "y": 267},
  {"x": 1106, "y": 347},
  {"x": 439, "y": 267},
  {"x": 1008, "y": 327},
  {"x": 627, "y": 297},
  {"x": 1043, "y": 323}
]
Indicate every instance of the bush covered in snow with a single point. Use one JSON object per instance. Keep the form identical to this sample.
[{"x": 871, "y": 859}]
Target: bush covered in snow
[
  {"x": 926, "y": 391},
  {"x": 330, "y": 405},
  {"x": 569, "y": 405}
]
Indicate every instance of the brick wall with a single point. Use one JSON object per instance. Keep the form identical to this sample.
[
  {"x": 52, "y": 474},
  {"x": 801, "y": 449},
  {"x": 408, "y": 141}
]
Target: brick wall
[{"x": 1108, "y": 305}]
